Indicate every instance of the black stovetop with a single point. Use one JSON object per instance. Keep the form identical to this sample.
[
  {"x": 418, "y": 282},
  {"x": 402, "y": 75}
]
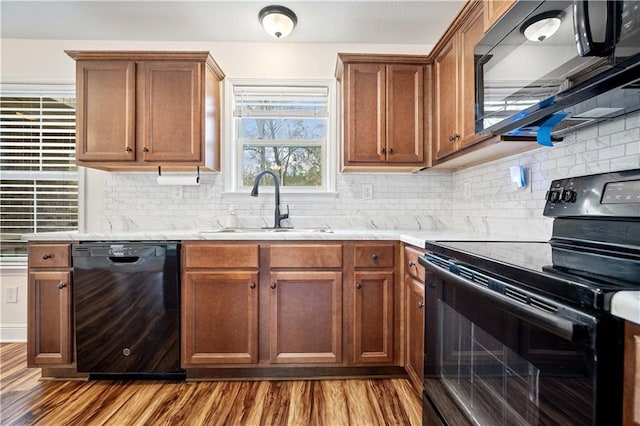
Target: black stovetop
[{"x": 531, "y": 265}]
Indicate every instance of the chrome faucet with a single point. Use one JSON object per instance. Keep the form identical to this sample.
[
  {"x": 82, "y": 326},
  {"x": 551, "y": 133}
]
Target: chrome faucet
[{"x": 278, "y": 217}]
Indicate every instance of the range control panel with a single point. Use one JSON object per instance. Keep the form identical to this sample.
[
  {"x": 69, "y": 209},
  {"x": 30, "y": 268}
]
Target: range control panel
[{"x": 615, "y": 194}]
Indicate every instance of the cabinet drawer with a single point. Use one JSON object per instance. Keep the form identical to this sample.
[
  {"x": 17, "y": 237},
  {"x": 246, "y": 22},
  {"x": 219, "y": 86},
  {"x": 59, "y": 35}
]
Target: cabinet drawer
[
  {"x": 49, "y": 255},
  {"x": 306, "y": 256},
  {"x": 374, "y": 255},
  {"x": 411, "y": 264},
  {"x": 220, "y": 255}
]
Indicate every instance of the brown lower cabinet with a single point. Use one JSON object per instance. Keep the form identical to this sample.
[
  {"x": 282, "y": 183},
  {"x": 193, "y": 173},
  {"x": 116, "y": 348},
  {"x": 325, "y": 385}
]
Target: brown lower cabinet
[
  {"x": 373, "y": 317},
  {"x": 631, "y": 414},
  {"x": 49, "y": 317},
  {"x": 305, "y": 317},
  {"x": 220, "y": 318},
  {"x": 414, "y": 275},
  {"x": 414, "y": 361},
  {"x": 289, "y": 304},
  {"x": 219, "y": 312}
]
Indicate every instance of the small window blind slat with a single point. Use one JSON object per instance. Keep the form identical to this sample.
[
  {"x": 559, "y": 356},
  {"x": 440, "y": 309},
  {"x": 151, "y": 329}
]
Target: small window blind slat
[{"x": 38, "y": 174}]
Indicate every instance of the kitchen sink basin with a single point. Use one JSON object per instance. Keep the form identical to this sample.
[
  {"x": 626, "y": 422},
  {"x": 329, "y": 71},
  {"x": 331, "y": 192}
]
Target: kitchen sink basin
[{"x": 266, "y": 230}]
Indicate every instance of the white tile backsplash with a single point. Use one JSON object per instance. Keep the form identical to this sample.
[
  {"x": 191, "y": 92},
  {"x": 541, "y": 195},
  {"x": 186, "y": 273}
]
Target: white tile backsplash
[{"x": 480, "y": 198}]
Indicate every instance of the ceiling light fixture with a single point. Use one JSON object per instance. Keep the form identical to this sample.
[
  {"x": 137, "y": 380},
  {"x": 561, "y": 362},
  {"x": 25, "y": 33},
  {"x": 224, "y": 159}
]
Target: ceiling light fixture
[
  {"x": 278, "y": 21},
  {"x": 543, "y": 26}
]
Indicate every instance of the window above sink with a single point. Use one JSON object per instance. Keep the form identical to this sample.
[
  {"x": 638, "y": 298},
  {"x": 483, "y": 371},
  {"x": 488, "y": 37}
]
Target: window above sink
[{"x": 285, "y": 126}]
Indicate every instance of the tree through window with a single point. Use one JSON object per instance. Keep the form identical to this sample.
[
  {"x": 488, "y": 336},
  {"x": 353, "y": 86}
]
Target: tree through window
[{"x": 282, "y": 129}]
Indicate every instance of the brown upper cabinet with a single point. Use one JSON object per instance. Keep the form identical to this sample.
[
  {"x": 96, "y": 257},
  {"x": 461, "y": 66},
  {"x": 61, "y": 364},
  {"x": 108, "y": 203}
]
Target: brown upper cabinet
[
  {"x": 385, "y": 102},
  {"x": 454, "y": 91},
  {"x": 493, "y": 10},
  {"x": 139, "y": 110}
]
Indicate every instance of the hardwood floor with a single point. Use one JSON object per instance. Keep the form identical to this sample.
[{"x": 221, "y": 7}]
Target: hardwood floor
[{"x": 25, "y": 400}]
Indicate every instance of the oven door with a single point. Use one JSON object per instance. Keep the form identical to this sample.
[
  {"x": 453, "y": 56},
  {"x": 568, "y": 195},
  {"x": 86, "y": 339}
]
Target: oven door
[{"x": 503, "y": 356}]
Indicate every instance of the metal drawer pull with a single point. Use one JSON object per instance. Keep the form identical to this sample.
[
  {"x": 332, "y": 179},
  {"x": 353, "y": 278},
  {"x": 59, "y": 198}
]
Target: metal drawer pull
[
  {"x": 411, "y": 264},
  {"x": 420, "y": 305},
  {"x": 128, "y": 149},
  {"x": 252, "y": 285},
  {"x": 47, "y": 256},
  {"x": 358, "y": 286},
  {"x": 61, "y": 286},
  {"x": 273, "y": 286},
  {"x": 374, "y": 257},
  {"x": 145, "y": 149}
]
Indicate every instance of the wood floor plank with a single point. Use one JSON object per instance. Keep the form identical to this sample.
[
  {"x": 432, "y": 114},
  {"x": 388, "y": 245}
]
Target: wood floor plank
[{"x": 27, "y": 400}]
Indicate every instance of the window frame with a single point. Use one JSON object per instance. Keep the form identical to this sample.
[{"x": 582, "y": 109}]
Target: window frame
[
  {"x": 42, "y": 90},
  {"x": 232, "y": 151}
]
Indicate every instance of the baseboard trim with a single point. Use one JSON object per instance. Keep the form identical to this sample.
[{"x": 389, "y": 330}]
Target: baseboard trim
[{"x": 13, "y": 333}]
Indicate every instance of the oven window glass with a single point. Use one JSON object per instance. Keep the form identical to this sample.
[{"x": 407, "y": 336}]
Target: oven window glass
[{"x": 504, "y": 371}]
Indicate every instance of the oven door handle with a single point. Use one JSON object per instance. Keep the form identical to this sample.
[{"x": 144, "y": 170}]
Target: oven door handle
[{"x": 552, "y": 323}]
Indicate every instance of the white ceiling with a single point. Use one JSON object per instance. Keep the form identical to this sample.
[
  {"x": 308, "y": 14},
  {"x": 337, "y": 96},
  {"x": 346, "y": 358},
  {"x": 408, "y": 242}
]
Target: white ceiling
[{"x": 374, "y": 22}]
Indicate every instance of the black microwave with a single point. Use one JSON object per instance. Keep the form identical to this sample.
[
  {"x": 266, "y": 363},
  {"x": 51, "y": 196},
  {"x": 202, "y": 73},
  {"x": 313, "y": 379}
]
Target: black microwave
[{"x": 559, "y": 65}]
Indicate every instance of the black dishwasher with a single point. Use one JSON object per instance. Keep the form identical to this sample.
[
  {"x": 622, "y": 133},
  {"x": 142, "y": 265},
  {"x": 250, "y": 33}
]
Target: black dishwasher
[{"x": 127, "y": 309}]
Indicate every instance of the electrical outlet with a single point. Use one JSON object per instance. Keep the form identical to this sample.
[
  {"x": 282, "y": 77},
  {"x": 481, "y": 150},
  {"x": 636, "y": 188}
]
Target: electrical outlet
[
  {"x": 11, "y": 294},
  {"x": 467, "y": 190},
  {"x": 178, "y": 192},
  {"x": 367, "y": 191}
]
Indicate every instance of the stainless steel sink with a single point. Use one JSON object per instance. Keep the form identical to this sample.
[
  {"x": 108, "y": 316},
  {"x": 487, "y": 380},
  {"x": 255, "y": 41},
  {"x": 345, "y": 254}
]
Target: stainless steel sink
[{"x": 266, "y": 230}]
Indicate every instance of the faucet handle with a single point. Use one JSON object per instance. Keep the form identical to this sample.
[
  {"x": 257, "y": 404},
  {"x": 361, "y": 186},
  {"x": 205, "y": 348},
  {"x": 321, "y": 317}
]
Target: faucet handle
[{"x": 286, "y": 215}]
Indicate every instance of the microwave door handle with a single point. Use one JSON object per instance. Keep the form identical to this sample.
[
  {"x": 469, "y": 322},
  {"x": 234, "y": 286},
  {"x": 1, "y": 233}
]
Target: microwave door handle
[
  {"x": 583, "y": 26},
  {"x": 552, "y": 323}
]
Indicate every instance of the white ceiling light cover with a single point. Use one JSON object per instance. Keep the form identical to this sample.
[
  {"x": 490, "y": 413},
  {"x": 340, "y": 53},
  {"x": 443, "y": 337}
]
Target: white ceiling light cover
[{"x": 278, "y": 21}]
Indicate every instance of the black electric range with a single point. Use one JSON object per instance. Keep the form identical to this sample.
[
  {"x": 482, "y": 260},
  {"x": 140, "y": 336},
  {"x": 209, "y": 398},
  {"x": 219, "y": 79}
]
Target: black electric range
[{"x": 513, "y": 327}]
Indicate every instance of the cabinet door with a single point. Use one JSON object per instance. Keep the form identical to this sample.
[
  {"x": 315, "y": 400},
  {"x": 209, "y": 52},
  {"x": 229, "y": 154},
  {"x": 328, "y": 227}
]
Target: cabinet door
[
  {"x": 446, "y": 103},
  {"x": 219, "y": 318},
  {"x": 373, "y": 317},
  {"x": 305, "y": 317},
  {"x": 172, "y": 102},
  {"x": 469, "y": 34},
  {"x": 405, "y": 113},
  {"x": 106, "y": 118},
  {"x": 364, "y": 115},
  {"x": 493, "y": 11},
  {"x": 414, "y": 362},
  {"x": 49, "y": 316}
]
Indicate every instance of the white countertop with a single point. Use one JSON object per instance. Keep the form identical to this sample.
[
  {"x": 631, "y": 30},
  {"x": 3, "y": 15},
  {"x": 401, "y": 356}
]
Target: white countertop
[
  {"x": 414, "y": 237},
  {"x": 626, "y": 304}
]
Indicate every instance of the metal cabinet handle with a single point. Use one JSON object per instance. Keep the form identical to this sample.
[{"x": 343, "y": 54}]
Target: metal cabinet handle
[
  {"x": 411, "y": 264},
  {"x": 61, "y": 286},
  {"x": 252, "y": 285},
  {"x": 273, "y": 285},
  {"x": 47, "y": 256},
  {"x": 456, "y": 136},
  {"x": 420, "y": 305},
  {"x": 145, "y": 149},
  {"x": 390, "y": 150},
  {"x": 383, "y": 151},
  {"x": 128, "y": 149},
  {"x": 358, "y": 286},
  {"x": 374, "y": 257}
]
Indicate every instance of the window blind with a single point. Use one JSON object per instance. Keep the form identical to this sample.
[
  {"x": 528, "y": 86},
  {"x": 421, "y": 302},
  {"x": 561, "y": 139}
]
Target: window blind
[{"x": 38, "y": 174}]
